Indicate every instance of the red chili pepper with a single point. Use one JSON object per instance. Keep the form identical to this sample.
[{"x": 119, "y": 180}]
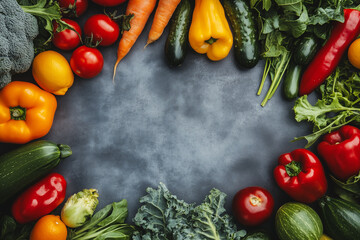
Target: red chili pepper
[
  {"x": 301, "y": 175},
  {"x": 40, "y": 199},
  {"x": 341, "y": 152},
  {"x": 326, "y": 60}
]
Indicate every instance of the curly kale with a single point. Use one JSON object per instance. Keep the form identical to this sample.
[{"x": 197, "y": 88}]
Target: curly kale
[
  {"x": 17, "y": 32},
  {"x": 163, "y": 216}
]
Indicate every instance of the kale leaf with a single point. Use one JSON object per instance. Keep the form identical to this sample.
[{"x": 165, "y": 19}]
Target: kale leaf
[{"x": 164, "y": 216}]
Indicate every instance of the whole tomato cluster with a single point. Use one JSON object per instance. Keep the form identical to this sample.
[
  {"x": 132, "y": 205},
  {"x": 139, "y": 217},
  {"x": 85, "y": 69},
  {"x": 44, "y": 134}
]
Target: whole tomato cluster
[{"x": 99, "y": 30}]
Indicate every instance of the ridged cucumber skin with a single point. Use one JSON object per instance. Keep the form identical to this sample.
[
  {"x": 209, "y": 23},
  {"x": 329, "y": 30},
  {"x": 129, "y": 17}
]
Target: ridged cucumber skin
[
  {"x": 176, "y": 44},
  {"x": 22, "y": 166},
  {"x": 305, "y": 50},
  {"x": 341, "y": 218},
  {"x": 297, "y": 221},
  {"x": 292, "y": 80},
  {"x": 246, "y": 44}
]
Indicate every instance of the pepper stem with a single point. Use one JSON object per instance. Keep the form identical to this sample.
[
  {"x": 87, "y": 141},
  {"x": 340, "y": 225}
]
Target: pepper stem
[
  {"x": 293, "y": 169},
  {"x": 211, "y": 40},
  {"x": 17, "y": 113}
]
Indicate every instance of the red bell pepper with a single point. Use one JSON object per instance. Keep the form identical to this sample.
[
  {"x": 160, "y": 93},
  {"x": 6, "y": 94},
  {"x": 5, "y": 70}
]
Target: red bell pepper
[
  {"x": 301, "y": 175},
  {"x": 40, "y": 199},
  {"x": 341, "y": 152},
  {"x": 329, "y": 56}
]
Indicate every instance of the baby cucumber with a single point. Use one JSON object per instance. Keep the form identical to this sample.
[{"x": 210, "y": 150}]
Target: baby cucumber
[
  {"x": 292, "y": 80},
  {"x": 177, "y": 40},
  {"x": 305, "y": 50},
  {"x": 246, "y": 45}
]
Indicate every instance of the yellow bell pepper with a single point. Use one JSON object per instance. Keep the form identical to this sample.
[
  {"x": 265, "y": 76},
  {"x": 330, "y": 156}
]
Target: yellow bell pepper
[{"x": 209, "y": 31}]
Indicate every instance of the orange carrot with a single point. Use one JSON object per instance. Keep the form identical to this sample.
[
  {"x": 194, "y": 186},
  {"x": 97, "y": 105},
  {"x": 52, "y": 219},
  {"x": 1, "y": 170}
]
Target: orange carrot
[
  {"x": 141, "y": 10},
  {"x": 164, "y": 11}
]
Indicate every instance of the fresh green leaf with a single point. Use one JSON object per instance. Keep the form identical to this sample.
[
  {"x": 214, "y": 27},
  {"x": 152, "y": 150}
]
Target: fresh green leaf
[
  {"x": 163, "y": 216},
  {"x": 47, "y": 12},
  {"x": 118, "y": 214},
  {"x": 349, "y": 190},
  {"x": 295, "y": 6},
  {"x": 108, "y": 223},
  {"x": 10, "y": 230},
  {"x": 296, "y": 27}
]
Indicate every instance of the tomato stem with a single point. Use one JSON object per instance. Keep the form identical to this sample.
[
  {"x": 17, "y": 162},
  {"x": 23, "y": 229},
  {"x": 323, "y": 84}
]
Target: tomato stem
[{"x": 255, "y": 201}]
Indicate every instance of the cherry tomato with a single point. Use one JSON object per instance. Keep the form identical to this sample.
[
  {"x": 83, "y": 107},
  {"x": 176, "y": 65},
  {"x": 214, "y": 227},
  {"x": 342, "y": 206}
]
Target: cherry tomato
[
  {"x": 67, "y": 39},
  {"x": 86, "y": 62},
  {"x": 70, "y": 8},
  {"x": 109, "y": 3},
  {"x": 252, "y": 205},
  {"x": 102, "y": 28}
]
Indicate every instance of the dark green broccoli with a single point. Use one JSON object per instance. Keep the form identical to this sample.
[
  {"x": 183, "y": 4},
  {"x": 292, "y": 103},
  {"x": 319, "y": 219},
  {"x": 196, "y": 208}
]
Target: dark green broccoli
[{"x": 17, "y": 32}]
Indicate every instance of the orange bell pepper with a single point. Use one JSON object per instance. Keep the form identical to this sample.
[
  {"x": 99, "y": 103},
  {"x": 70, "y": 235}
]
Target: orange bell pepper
[{"x": 26, "y": 112}]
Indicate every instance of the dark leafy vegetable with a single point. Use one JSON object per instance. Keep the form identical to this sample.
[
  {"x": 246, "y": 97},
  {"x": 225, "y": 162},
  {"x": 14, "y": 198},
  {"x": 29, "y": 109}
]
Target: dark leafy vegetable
[
  {"x": 281, "y": 22},
  {"x": 106, "y": 224},
  {"x": 348, "y": 190},
  {"x": 163, "y": 216},
  {"x": 10, "y": 230}
]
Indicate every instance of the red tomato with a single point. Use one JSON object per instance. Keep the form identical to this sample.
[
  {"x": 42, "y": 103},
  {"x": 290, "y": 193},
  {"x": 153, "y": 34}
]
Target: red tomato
[
  {"x": 109, "y": 3},
  {"x": 86, "y": 62},
  {"x": 67, "y": 39},
  {"x": 71, "y": 9},
  {"x": 252, "y": 205},
  {"x": 102, "y": 28}
]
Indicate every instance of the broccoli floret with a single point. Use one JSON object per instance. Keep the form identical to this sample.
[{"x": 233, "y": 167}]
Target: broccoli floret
[{"x": 17, "y": 32}]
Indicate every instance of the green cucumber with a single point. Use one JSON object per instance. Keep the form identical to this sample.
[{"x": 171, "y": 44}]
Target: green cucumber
[
  {"x": 246, "y": 44},
  {"x": 341, "y": 218},
  {"x": 292, "y": 80},
  {"x": 24, "y": 165},
  {"x": 305, "y": 50},
  {"x": 297, "y": 221},
  {"x": 177, "y": 41}
]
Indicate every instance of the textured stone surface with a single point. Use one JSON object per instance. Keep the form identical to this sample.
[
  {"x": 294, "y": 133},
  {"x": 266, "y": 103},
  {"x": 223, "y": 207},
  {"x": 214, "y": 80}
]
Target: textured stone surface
[{"x": 195, "y": 127}]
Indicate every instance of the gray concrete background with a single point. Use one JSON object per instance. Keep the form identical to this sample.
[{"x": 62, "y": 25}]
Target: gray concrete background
[{"x": 194, "y": 127}]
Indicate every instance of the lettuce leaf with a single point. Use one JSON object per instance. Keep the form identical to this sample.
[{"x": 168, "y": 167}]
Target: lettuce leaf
[{"x": 164, "y": 216}]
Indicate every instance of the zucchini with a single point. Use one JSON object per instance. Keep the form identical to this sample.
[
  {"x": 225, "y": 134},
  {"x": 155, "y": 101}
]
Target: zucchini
[
  {"x": 24, "y": 165},
  {"x": 292, "y": 80},
  {"x": 246, "y": 45},
  {"x": 305, "y": 50},
  {"x": 297, "y": 221},
  {"x": 341, "y": 218},
  {"x": 177, "y": 41}
]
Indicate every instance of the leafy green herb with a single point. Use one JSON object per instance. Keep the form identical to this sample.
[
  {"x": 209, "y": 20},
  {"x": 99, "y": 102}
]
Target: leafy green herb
[
  {"x": 338, "y": 106},
  {"x": 163, "y": 216},
  {"x": 349, "y": 190},
  {"x": 281, "y": 22},
  {"x": 47, "y": 12},
  {"x": 10, "y": 230},
  {"x": 108, "y": 223}
]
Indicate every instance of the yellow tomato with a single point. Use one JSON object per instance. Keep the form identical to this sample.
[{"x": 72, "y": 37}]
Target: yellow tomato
[
  {"x": 354, "y": 53},
  {"x": 49, "y": 227},
  {"x": 52, "y": 72}
]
